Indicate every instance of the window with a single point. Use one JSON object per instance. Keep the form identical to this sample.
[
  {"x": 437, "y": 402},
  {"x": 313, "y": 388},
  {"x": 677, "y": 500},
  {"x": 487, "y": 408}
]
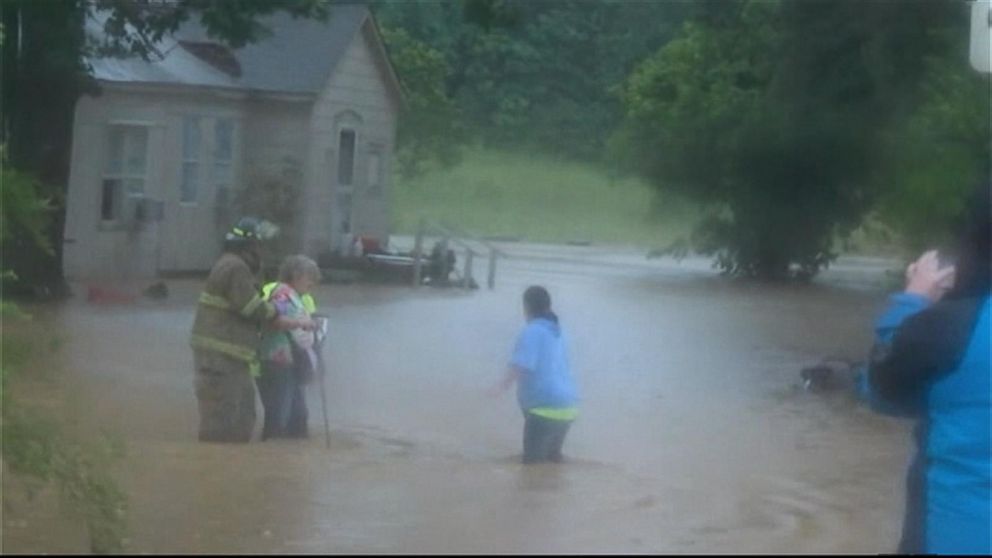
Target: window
[
  {"x": 223, "y": 160},
  {"x": 190, "y": 184},
  {"x": 124, "y": 173},
  {"x": 346, "y": 158}
]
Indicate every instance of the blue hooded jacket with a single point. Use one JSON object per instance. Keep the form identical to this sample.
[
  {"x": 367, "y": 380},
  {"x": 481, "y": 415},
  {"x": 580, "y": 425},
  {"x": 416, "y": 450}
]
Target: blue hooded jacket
[
  {"x": 933, "y": 363},
  {"x": 542, "y": 355}
]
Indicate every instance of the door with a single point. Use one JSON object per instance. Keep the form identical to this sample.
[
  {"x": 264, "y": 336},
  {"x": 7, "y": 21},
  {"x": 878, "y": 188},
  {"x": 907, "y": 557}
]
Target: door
[{"x": 344, "y": 189}]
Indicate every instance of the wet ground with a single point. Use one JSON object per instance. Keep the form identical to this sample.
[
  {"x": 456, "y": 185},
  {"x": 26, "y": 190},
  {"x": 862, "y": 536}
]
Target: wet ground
[{"x": 693, "y": 435}]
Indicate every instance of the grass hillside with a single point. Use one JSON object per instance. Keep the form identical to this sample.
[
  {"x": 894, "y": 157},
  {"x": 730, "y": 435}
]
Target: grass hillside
[{"x": 541, "y": 200}]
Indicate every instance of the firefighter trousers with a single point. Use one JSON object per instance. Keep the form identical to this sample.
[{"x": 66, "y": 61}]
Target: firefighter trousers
[{"x": 225, "y": 396}]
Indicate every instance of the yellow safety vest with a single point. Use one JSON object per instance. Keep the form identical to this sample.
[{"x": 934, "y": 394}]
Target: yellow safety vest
[
  {"x": 308, "y": 302},
  {"x": 555, "y": 413}
]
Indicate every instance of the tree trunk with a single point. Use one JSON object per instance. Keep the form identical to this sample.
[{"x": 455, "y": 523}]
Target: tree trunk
[{"x": 43, "y": 76}]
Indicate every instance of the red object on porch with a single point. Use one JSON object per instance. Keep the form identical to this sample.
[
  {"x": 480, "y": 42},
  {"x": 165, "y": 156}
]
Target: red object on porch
[
  {"x": 370, "y": 245},
  {"x": 108, "y": 295}
]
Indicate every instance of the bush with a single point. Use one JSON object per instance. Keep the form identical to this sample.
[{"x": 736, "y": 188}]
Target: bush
[
  {"x": 275, "y": 197},
  {"x": 35, "y": 447},
  {"x": 26, "y": 221}
]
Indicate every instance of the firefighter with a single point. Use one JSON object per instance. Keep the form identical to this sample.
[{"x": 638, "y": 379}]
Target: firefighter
[{"x": 226, "y": 335}]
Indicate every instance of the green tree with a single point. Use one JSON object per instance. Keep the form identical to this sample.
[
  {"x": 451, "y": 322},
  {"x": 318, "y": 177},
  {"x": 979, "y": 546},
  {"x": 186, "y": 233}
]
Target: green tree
[
  {"x": 275, "y": 197},
  {"x": 25, "y": 218},
  {"x": 430, "y": 128},
  {"x": 537, "y": 75},
  {"x": 933, "y": 158},
  {"x": 768, "y": 113},
  {"x": 34, "y": 446},
  {"x": 44, "y": 50}
]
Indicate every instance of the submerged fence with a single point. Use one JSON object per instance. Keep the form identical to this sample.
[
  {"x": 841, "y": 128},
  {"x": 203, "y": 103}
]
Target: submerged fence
[{"x": 462, "y": 239}]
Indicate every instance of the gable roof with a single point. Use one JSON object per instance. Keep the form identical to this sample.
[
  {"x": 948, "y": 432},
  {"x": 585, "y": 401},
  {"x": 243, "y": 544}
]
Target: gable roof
[{"x": 298, "y": 57}]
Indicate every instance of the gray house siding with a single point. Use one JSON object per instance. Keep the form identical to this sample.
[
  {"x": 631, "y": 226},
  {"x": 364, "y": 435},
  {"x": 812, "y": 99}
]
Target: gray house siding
[
  {"x": 275, "y": 135},
  {"x": 358, "y": 97},
  {"x": 187, "y": 236},
  {"x": 160, "y": 105},
  {"x": 90, "y": 245}
]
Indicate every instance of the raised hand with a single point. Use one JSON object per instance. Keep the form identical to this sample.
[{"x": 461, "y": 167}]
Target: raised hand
[{"x": 925, "y": 277}]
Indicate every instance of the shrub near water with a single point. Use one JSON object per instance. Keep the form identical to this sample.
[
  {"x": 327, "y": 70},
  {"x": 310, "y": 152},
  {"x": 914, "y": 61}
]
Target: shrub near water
[
  {"x": 40, "y": 451},
  {"x": 540, "y": 199},
  {"x": 36, "y": 448}
]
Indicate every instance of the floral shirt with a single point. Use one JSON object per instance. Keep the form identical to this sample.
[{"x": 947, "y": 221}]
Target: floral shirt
[{"x": 275, "y": 346}]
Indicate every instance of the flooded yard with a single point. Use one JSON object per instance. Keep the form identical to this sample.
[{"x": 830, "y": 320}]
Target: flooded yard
[{"x": 693, "y": 435}]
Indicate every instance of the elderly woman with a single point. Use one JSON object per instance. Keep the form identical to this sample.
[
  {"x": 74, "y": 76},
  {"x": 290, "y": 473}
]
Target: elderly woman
[{"x": 287, "y": 351}]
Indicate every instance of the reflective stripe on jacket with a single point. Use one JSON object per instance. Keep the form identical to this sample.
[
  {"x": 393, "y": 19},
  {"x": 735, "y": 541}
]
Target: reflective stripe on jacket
[{"x": 230, "y": 311}]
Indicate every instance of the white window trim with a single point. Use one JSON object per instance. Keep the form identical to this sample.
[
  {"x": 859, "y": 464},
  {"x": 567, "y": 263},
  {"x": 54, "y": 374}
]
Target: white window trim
[
  {"x": 123, "y": 176},
  {"x": 184, "y": 160},
  {"x": 230, "y": 161},
  {"x": 347, "y": 188}
]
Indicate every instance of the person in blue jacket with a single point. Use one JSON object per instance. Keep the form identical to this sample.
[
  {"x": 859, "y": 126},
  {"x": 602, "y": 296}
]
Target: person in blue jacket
[
  {"x": 546, "y": 391},
  {"x": 931, "y": 362}
]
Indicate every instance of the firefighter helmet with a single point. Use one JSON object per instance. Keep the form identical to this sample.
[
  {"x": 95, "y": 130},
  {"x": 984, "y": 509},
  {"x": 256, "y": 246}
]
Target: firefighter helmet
[{"x": 251, "y": 229}]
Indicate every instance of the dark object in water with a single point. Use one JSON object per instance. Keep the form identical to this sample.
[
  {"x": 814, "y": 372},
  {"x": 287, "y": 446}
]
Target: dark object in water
[
  {"x": 158, "y": 291},
  {"x": 441, "y": 264},
  {"x": 831, "y": 374}
]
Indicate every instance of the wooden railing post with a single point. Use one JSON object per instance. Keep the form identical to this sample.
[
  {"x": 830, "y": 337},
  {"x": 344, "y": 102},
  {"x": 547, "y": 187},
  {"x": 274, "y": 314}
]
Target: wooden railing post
[
  {"x": 417, "y": 249},
  {"x": 492, "y": 268},
  {"x": 467, "y": 275}
]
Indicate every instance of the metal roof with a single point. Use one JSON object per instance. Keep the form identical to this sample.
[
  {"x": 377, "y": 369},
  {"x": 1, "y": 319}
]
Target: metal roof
[{"x": 298, "y": 57}]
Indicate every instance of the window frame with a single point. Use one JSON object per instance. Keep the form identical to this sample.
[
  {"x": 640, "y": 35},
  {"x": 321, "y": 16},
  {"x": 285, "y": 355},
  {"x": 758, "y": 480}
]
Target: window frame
[
  {"x": 350, "y": 185},
  {"x": 123, "y": 175},
  {"x": 192, "y": 157},
  {"x": 223, "y": 180}
]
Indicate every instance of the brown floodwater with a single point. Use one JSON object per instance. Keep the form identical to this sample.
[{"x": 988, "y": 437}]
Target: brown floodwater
[{"x": 693, "y": 436}]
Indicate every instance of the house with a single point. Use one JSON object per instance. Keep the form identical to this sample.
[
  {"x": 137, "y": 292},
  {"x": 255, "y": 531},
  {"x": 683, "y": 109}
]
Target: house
[{"x": 161, "y": 155}]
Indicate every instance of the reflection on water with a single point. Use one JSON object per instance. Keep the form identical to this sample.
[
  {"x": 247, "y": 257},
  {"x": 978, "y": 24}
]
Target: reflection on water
[{"x": 692, "y": 437}]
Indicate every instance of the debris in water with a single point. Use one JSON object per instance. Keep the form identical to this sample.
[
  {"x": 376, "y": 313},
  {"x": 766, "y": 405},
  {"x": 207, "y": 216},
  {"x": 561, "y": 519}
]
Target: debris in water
[{"x": 158, "y": 291}]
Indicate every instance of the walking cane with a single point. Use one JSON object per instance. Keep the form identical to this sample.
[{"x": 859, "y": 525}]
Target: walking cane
[{"x": 321, "y": 335}]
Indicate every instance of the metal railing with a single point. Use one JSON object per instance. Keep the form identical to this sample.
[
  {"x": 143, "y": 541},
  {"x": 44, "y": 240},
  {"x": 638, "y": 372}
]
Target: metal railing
[{"x": 461, "y": 238}]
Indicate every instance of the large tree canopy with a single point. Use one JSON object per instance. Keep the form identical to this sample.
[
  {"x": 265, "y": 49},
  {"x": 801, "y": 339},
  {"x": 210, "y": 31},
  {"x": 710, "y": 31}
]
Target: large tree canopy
[
  {"x": 431, "y": 127},
  {"x": 933, "y": 158},
  {"x": 537, "y": 75},
  {"x": 771, "y": 114}
]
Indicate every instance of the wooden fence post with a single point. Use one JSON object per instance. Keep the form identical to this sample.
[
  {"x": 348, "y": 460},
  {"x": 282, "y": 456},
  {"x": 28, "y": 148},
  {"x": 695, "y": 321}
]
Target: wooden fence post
[
  {"x": 492, "y": 268},
  {"x": 417, "y": 249},
  {"x": 467, "y": 275}
]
